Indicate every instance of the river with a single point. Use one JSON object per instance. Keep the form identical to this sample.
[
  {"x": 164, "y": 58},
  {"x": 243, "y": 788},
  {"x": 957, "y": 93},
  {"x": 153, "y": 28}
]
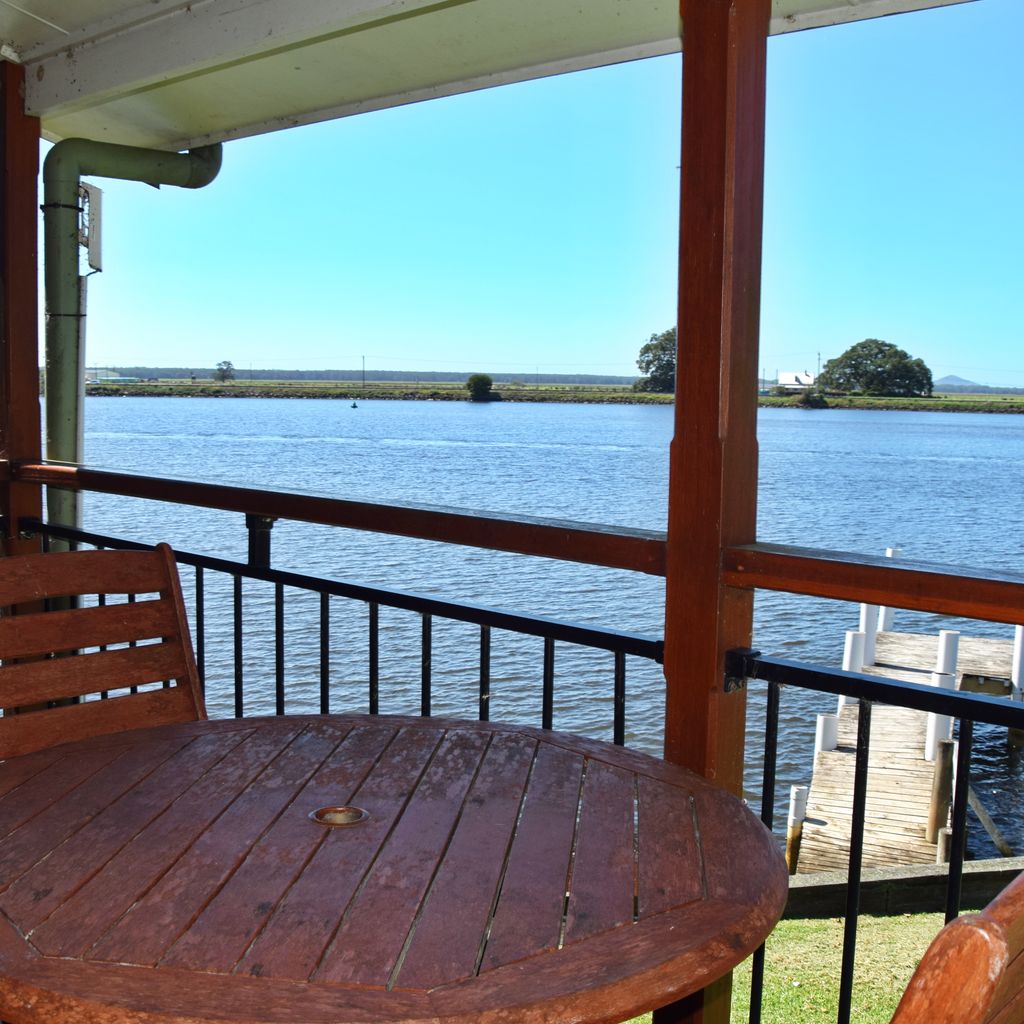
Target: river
[{"x": 941, "y": 486}]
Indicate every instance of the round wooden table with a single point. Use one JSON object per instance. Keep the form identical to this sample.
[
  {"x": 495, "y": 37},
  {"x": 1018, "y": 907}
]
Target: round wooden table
[{"x": 499, "y": 873}]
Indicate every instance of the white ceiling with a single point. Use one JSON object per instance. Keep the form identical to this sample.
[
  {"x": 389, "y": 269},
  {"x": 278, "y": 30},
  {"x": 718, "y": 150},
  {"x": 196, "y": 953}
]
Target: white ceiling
[{"x": 173, "y": 74}]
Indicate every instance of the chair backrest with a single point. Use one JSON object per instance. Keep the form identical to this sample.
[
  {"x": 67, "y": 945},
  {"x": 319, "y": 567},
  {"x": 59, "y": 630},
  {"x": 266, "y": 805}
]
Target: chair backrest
[
  {"x": 130, "y": 644},
  {"x": 973, "y": 972}
]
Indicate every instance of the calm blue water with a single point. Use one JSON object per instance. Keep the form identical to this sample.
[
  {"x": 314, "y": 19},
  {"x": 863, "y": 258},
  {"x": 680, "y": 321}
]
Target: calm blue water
[{"x": 944, "y": 487}]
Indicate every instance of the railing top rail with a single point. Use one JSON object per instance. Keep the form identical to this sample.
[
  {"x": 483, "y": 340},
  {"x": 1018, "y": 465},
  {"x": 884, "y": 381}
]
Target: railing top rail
[
  {"x": 993, "y": 595},
  {"x": 609, "y": 546},
  {"x": 639, "y": 644},
  {"x": 974, "y": 706}
]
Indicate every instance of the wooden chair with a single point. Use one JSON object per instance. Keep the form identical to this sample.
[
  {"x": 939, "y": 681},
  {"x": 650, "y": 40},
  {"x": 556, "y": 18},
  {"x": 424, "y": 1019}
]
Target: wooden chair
[
  {"x": 137, "y": 636},
  {"x": 973, "y": 972}
]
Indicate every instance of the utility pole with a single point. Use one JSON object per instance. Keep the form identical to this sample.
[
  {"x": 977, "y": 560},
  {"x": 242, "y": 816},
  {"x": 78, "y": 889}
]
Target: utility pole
[{"x": 364, "y": 372}]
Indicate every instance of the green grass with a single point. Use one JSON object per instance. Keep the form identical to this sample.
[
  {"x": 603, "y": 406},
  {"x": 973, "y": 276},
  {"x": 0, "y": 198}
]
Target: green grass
[{"x": 802, "y": 969}]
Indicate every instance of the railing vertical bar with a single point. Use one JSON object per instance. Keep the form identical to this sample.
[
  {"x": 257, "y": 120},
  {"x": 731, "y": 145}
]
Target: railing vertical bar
[
  {"x": 325, "y": 654},
  {"x": 426, "y": 657},
  {"x": 860, "y": 792},
  {"x": 485, "y": 673},
  {"x": 278, "y": 648},
  {"x": 201, "y": 627},
  {"x": 131, "y": 643},
  {"x": 619, "y": 726},
  {"x": 374, "y": 640},
  {"x": 965, "y": 741},
  {"x": 237, "y": 605},
  {"x": 548, "y": 698},
  {"x": 101, "y": 600},
  {"x": 771, "y": 750}
]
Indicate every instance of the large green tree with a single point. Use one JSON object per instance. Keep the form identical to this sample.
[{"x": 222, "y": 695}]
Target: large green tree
[
  {"x": 874, "y": 367},
  {"x": 657, "y": 361}
]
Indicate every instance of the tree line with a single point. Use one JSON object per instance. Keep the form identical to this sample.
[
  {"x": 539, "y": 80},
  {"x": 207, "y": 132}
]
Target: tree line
[{"x": 871, "y": 367}]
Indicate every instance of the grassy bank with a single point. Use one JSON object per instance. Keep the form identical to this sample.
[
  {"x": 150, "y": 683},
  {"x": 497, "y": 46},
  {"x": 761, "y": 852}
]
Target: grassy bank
[
  {"x": 607, "y": 394},
  {"x": 802, "y": 964},
  {"x": 355, "y": 392}
]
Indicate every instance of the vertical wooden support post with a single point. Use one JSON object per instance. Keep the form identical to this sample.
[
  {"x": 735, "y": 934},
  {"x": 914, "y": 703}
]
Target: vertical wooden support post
[
  {"x": 19, "y": 328},
  {"x": 713, "y": 462}
]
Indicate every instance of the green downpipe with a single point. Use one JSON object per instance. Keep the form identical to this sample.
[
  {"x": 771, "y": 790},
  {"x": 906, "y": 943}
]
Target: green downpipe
[{"x": 66, "y": 164}]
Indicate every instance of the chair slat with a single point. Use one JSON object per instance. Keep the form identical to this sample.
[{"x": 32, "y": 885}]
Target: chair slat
[
  {"x": 30, "y": 578},
  {"x": 26, "y": 580},
  {"x": 23, "y": 734},
  {"x": 23, "y": 636},
  {"x": 75, "y": 676}
]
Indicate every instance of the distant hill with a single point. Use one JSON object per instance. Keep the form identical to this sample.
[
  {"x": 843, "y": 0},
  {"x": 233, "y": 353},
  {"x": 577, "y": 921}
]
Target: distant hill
[
  {"x": 952, "y": 384},
  {"x": 422, "y": 376}
]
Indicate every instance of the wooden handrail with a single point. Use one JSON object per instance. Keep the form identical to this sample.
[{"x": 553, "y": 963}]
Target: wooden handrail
[
  {"x": 612, "y": 547},
  {"x": 844, "y": 576},
  {"x": 841, "y": 576}
]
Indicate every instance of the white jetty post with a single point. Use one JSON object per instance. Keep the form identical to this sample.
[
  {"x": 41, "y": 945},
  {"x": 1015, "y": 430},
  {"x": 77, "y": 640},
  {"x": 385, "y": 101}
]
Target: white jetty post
[
  {"x": 869, "y": 627},
  {"x": 1016, "y": 736},
  {"x": 940, "y": 727},
  {"x": 885, "y": 613},
  {"x": 853, "y": 659},
  {"x": 795, "y": 825},
  {"x": 826, "y": 734},
  {"x": 948, "y": 651},
  {"x": 1017, "y": 667}
]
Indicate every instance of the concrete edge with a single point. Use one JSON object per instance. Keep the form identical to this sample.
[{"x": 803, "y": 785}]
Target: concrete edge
[{"x": 909, "y": 889}]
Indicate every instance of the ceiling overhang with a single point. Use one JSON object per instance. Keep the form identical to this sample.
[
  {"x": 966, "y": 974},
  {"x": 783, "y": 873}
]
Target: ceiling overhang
[{"x": 172, "y": 74}]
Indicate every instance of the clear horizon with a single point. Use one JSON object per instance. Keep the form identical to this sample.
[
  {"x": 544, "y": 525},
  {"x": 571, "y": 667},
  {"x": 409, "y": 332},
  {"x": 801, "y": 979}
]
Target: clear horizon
[{"x": 532, "y": 228}]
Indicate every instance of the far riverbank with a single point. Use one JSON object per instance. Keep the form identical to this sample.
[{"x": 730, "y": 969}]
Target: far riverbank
[{"x": 600, "y": 394}]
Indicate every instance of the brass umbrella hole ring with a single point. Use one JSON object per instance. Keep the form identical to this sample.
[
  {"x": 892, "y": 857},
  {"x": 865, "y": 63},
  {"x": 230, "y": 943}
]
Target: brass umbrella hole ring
[{"x": 339, "y": 817}]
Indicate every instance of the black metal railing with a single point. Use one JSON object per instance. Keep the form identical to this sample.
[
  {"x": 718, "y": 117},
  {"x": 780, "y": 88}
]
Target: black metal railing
[
  {"x": 966, "y": 709},
  {"x": 620, "y": 644}
]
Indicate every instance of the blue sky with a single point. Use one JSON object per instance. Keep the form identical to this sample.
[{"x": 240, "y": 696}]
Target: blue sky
[{"x": 534, "y": 227}]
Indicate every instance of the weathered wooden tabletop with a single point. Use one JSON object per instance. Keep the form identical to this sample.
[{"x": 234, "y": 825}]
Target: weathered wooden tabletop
[{"x": 502, "y": 873}]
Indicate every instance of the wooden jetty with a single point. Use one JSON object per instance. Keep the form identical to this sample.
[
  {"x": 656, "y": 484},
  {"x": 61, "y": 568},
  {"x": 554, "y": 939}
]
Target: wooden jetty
[{"x": 899, "y": 777}]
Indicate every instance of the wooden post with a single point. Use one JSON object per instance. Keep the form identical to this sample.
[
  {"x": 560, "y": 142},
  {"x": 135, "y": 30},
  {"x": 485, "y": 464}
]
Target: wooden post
[
  {"x": 713, "y": 459},
  {"x": 19, "y": 328},
  {"x": 795, "y": 825},
  {"x": 942, "y": 792}
]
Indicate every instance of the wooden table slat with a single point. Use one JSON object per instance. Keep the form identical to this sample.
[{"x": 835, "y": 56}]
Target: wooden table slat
[
  {"x": 529, "y": 914},
  {"x": 667, "y": 839},
  {"x": 69, "y": 811},
  {"x": 43, "y": 888},
  {"x": 602, "y": 888},
  {"x": 373, "y": 932},
  {"x": 448, "y": 939},
  {"x": 31, "y": 784},
  {"x": 295, "y": 938},
  {"x": 83, "y": 918},
  {"x": 220, "y": 936},
  {"x": 156, "y": 921}
]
